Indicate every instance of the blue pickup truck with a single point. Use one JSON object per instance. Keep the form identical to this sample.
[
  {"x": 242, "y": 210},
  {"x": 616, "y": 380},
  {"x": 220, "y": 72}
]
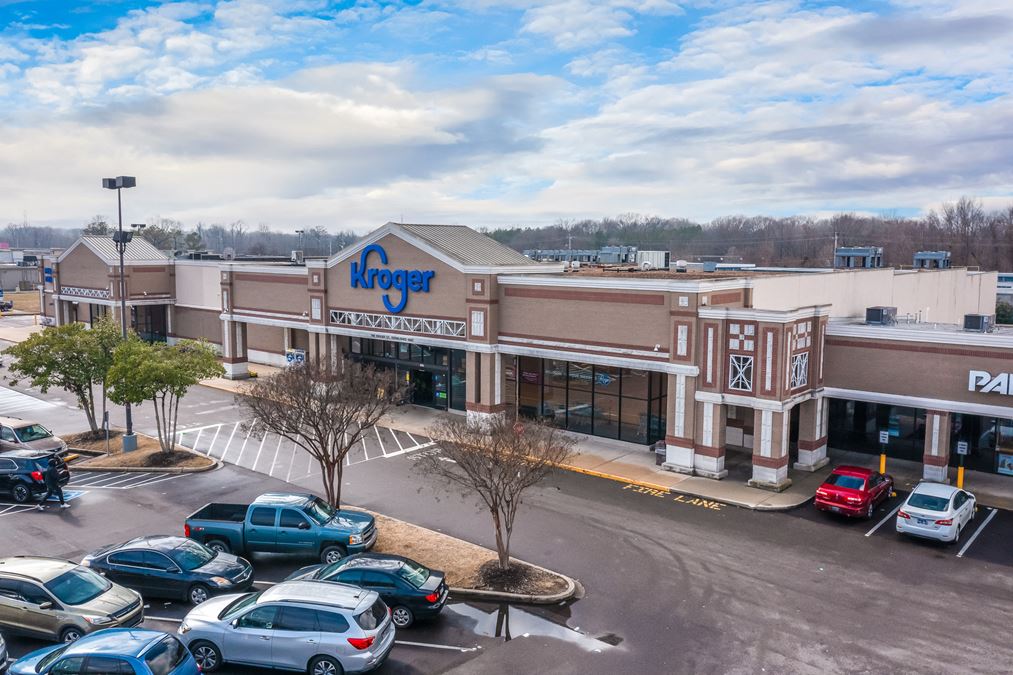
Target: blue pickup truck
[{"x": 283, "y": 523}]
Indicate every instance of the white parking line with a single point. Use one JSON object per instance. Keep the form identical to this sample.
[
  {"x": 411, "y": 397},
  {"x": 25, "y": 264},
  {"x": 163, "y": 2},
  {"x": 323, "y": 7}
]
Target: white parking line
[
  {"x": 138, "y": 477},
  {"x": 199, "y": 432},
  {"x": 217, "y": 431},
  {"x": 245, "y": 441},
  {"x": 975, "y": 535},
  {"x": 229, "y": 444},
  {"x": 157, "y": 479},
  {"x": 270, "y": 472},
  {"x": 412, "y": 437},
  {"x": 399, "y": 446},
  {"x": 880, "y": 523},
  {"x": 259, "y": 450},
  {"x": 436, "y": 646},
  {"x": 380, "y": 441},
  {"x": 215, "y": 410},
  {"x": 424, "y": 446}
]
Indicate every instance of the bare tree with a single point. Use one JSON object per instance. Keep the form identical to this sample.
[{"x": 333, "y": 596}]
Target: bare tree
[
  {"x": 324, "y": 412},
  {"x": 497, "y": 459},
  {"x": 97, "y": 225}
]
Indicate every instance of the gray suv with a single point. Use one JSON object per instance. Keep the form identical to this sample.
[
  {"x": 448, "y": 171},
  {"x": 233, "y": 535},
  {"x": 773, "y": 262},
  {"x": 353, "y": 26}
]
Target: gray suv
[{"x": 321, "y": 628}]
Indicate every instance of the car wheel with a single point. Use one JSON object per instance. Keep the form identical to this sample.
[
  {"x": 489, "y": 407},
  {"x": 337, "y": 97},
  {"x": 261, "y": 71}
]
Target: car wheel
[
  {"x": 325, "y": 665},
  {"x": 402, "y": 616},
  {"x": 219, "y": 546},
  {"x": 956, "y": 536},
  {"x": 70, "y": 634},
  {"x": 198, "y": 593},
  {"x": 21, "y": 494},
  {"x": 332, "y": 554},
  {"x": 207, "y": 656}
]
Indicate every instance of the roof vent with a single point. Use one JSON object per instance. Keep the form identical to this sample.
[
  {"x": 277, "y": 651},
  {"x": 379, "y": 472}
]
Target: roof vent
[
  {"x": 978, "y": 323},
  {"x": 297, "y": 257},
  {"x": 880, "y": 316}
]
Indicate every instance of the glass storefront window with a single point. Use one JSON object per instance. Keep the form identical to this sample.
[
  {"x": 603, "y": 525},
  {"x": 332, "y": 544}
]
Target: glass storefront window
[
  {"x": 633, "y": 424},
  {"x": 581, "y": 376},
  {"x": 554, "y": 406},
  {"x": 634, "y": 383},
  {"x": 579, "y": 411},
  {"x": 529, "y": 384},
  {"x": 458, "y": 395},
  {"x": 606, "y": 415}
]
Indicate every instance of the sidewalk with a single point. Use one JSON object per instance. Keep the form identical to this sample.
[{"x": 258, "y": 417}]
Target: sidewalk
[
  {"x": 16, "y": 327},
  {"x": 236, "y": 386}
]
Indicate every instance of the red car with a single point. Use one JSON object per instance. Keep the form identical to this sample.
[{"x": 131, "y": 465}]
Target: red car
[{"x": 853, "y": 491}]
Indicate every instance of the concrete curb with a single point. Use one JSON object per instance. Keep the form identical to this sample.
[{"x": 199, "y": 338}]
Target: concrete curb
[
  {"x": 139, "y": 469},
  {"x": 526, "y": 598}
]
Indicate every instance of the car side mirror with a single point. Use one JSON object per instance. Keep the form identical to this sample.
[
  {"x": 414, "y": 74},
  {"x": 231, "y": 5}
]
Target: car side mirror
[
  {"x": 234, "y": 623},
  {"x": 304, "y": 525},
  {"x": 46, "y": 605}
]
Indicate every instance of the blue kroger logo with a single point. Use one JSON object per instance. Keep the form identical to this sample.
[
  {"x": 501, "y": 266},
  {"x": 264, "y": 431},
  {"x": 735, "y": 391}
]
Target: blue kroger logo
[{"x": 363, "y": 276}]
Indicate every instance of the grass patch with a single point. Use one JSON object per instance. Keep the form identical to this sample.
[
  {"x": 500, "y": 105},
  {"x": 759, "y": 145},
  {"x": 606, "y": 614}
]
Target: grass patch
[
  {"x": 466, "y": 565},
  {"x": 25, "y": 301},
  {"x": 148, "y": 455}
]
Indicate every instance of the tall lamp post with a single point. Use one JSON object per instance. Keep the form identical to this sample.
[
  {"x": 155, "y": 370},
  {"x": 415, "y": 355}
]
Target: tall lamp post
[{"x": 121, "y": 239}]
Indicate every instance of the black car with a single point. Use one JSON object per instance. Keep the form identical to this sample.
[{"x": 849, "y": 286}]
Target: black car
[
  {"x": 172, "y": 567},
  {"x": 22, "y": 473},
  {"x": 410, "y": 589}
]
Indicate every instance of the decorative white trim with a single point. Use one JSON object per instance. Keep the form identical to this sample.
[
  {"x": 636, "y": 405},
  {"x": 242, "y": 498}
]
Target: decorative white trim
[
  {"x": 682, "y": 340},
  {"x": 616, "y": 283},
  {"x": 799, "y": 370},
  {"x": 766, "y": 431},
  {"x": 99, "y": 293},
  {"x": 281, "y": 269},
  {"x": 497, "y": 365},
  {"x": 710, "y": 354},
  {"x": 276, "y": 315},
  {"x": 918, "y": 402},
  {"x": 680, "y": 406},
  {"x": 204, "y": 307},
  {"x": 708, "y": 424},
  {"x": 407, "y": 324},
  {"x": 768, "y": 360},
  {"x": 766, "y": 315},
  {"x": 740, "y": 372},
  {"x": 114, "y": 303},
  {"x": 897, "y": 333},
  {"x": 756, "y": 403},
  {"x": 935, "y": 434},
  {"x": 580, "y": 346},
  {"x": 587, "y": 357}
]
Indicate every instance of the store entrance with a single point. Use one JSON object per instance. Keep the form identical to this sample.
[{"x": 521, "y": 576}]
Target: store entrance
[{"x": 429, "y": 388}]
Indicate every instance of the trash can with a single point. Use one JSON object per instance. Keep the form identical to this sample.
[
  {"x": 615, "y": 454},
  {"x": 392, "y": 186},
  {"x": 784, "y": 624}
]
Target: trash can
[{"x": 660, "y": 453}]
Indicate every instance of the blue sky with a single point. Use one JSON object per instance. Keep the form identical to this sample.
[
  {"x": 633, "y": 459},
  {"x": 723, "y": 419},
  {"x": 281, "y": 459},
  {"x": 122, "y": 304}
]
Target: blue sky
[{"x": 497, "y": 112}]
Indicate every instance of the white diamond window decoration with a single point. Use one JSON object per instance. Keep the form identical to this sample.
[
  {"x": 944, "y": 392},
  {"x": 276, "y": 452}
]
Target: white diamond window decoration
[
  {"x": 740, "y": 375},
  {"x": 799, "y": 370}
]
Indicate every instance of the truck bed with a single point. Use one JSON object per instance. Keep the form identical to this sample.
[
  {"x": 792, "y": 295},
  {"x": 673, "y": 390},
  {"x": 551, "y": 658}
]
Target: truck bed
[{"x": 226, "y": 513}]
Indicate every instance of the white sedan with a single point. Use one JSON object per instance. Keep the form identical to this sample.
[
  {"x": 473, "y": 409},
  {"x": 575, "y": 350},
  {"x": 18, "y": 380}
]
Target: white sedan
[{"x": 936, "y": 511}]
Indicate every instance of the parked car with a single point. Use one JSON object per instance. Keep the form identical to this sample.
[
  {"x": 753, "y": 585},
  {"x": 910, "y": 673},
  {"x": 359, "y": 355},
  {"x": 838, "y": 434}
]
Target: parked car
[
  {"x": 936, "y": 511},
  {"x": 410, "y": 589},
  {"x": 22, "y": 473},
  {"x": 307, "y": 626},
  {"x": 56, "y": 599},
  {"x": 116, "y": 651},
  {"x": 172, "y": 567},
  {"x": 3, "y": 656},
  {"x": 19, "y": 434},
  {"x": 283, "y": 523},
  {"x": 853, "y": 491}
]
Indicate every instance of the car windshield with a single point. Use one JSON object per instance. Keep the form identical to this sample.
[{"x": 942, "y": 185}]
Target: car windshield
[
  {"x": 328, "y": 571},
  {"x": 414, "y": 573},
  {"x": 844, "y": 481},
  {"x": 319, "y": 510},
  {"x": 373, "y": 617},
  {"x": 928, "y": 502},
  {"x": 33, "y": 432},
  {"x": 77, "y": 586},
  {"x": 190, "y": 555},
  {"x": 238, "y": 605},
  {"x": 49, "y": 658}
]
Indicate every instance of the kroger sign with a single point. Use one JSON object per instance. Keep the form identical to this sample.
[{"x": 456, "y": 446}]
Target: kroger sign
[
  {"x": 406, "y": 281},
  {"x": 982, "y": 380}
]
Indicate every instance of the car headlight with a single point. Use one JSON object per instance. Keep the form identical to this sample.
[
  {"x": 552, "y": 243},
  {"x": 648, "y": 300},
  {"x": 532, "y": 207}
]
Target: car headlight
[
  {"x": 220, "y": 581},
  {"x": 99, "y": 620},
  {"x": 355, "y": 539},
  {"x": 184, "y": 628}
]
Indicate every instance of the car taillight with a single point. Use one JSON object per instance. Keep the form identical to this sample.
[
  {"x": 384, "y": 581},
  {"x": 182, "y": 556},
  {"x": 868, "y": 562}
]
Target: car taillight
[
  {"x": 361, "y": 643},
  {"x": 821, "y": 493},
  {"x": 432, "y": 597},
  {"x": 854, "y": 500},
  {"x": 945, "y": 521},
  {"x": 37, "y": 475},
  {"x": 901, "y": 514},
  {"x": 186, "y": 530}
]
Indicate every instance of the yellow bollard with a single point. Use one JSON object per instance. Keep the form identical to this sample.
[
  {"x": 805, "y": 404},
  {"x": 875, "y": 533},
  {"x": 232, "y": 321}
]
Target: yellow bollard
[
  {"x": 960, "y": 478},
  {"x": 882, "y": 463}
]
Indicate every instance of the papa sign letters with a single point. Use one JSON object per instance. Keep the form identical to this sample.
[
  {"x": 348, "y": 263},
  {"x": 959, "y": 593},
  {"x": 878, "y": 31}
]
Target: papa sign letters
[
  {"x": 981, "y": 380},
  {"x": 415, "y": 281}
]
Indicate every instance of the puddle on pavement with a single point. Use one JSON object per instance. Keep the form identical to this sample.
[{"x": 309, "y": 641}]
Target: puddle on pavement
[{"x": 506, "y": 622}]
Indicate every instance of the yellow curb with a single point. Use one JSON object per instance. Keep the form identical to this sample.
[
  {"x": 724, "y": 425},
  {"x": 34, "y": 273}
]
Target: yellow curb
[{"x": 618, "y": 479}]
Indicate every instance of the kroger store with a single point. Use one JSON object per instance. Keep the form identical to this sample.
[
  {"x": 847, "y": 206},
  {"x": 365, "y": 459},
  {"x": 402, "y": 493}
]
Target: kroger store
[{"x": 774, "y": 365}]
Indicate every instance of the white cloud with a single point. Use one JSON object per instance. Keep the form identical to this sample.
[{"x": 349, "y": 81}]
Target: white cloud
[{"x": 574, "y": 24}]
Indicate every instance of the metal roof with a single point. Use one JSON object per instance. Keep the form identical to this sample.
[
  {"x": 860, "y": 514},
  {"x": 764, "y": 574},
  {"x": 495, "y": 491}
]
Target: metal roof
[
  {"x": 466, "y": 245},
  {"x": 139, "y": 249}
]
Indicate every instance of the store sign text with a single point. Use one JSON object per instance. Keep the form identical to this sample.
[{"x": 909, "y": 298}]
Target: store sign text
[
  {"x": 406, "y": 281},
  {"x": 983, "y": 381}
]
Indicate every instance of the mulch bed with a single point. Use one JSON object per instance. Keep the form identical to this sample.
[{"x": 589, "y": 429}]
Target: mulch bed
[{"x": 148, "y": 455}]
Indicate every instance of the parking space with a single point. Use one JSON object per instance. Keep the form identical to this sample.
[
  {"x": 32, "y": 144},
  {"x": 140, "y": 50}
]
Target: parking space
[
  {"x": 10, "y": 508},
  {"x": 247, "y": 445},
  {"x": 117, "y": 480}
]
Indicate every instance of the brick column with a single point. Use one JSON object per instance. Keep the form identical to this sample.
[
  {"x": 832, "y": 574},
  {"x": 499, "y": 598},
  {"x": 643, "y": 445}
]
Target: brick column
[
  {"x": 484, "y": 376},
  {"x": 709, "y": 443},
  {"x": 770, "y": 450},
  {"x": 812, "y": 434},
  {"x": 234, "y": 350},
  {"x": 679, "y": 426},
  {"x": 936, "y": 460}
]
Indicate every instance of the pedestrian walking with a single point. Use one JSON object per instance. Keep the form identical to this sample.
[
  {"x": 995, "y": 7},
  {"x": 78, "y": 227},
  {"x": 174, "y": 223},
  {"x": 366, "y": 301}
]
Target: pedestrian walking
[{"x": 52, "y": 477}]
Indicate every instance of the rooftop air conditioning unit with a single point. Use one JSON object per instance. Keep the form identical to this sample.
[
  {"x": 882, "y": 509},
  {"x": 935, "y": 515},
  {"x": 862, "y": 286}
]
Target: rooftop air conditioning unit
[
  {"x": 978, "y": 323},
  {"x": 297, "y": 257},
  {"x": 880, "y": 316}
]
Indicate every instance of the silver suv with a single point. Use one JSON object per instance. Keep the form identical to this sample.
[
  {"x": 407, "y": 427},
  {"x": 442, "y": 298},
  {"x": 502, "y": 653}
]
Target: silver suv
[{"x": 321, "y": 628}]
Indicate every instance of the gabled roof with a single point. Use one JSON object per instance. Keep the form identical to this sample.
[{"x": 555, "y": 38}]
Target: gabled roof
[
  {"x": 466, "y": 245},
  {"x": 139, "y": 250},
  {"x": 457, "y": 245}
]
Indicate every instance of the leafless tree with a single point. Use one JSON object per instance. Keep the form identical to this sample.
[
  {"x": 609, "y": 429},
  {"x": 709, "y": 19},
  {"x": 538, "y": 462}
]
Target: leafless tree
[
  {"x": 325, "y": 412},
  {"x": 498, "y": 459}
]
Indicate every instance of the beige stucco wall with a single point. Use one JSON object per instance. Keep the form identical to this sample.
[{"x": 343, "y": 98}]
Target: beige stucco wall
[
  {"x": 275, "y": 293},
  {"x": 194, "y": 324},
  {"x": 83, "y": 269},
  {"x": 198, "y": 285},
  {"x": 445, "y": 298},
  {"x": 150, "y": 279},
  {"x": 947, "y": 294},
  {"x": 265, "y": 338}
]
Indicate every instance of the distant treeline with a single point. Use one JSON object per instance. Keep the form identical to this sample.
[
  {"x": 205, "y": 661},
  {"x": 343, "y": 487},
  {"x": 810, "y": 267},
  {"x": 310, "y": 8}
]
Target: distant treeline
[{"x": 973, "y": 235}]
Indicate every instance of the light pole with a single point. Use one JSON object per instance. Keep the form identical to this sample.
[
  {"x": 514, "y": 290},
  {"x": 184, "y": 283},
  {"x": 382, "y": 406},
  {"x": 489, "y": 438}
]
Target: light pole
[
  {"x": 300, "y": 233},
  {"x": 121, "y": 239}
]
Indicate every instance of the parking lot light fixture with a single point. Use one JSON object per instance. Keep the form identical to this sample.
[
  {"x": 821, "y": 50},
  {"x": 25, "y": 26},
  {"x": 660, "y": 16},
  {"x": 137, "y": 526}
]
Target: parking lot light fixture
[{"x": 121, "y": 239}]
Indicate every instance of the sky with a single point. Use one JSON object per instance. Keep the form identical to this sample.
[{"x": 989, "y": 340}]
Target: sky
[{"x": 296, "y": 113}]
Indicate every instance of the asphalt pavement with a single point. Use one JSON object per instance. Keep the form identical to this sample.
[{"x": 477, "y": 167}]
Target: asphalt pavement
[{"x": 671, "y": 583}]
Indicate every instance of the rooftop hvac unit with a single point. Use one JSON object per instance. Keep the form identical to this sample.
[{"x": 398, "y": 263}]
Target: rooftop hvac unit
[
  {"x": 297, "y": 257},
  {"x": 978, "y": 323},
  {"x": 880, "y": 316},
  {"x": 575, "y": 264}
]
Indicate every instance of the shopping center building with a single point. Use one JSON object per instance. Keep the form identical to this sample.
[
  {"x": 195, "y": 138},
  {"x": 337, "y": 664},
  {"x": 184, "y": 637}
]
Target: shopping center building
[{"x": 776, "y": 364}]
